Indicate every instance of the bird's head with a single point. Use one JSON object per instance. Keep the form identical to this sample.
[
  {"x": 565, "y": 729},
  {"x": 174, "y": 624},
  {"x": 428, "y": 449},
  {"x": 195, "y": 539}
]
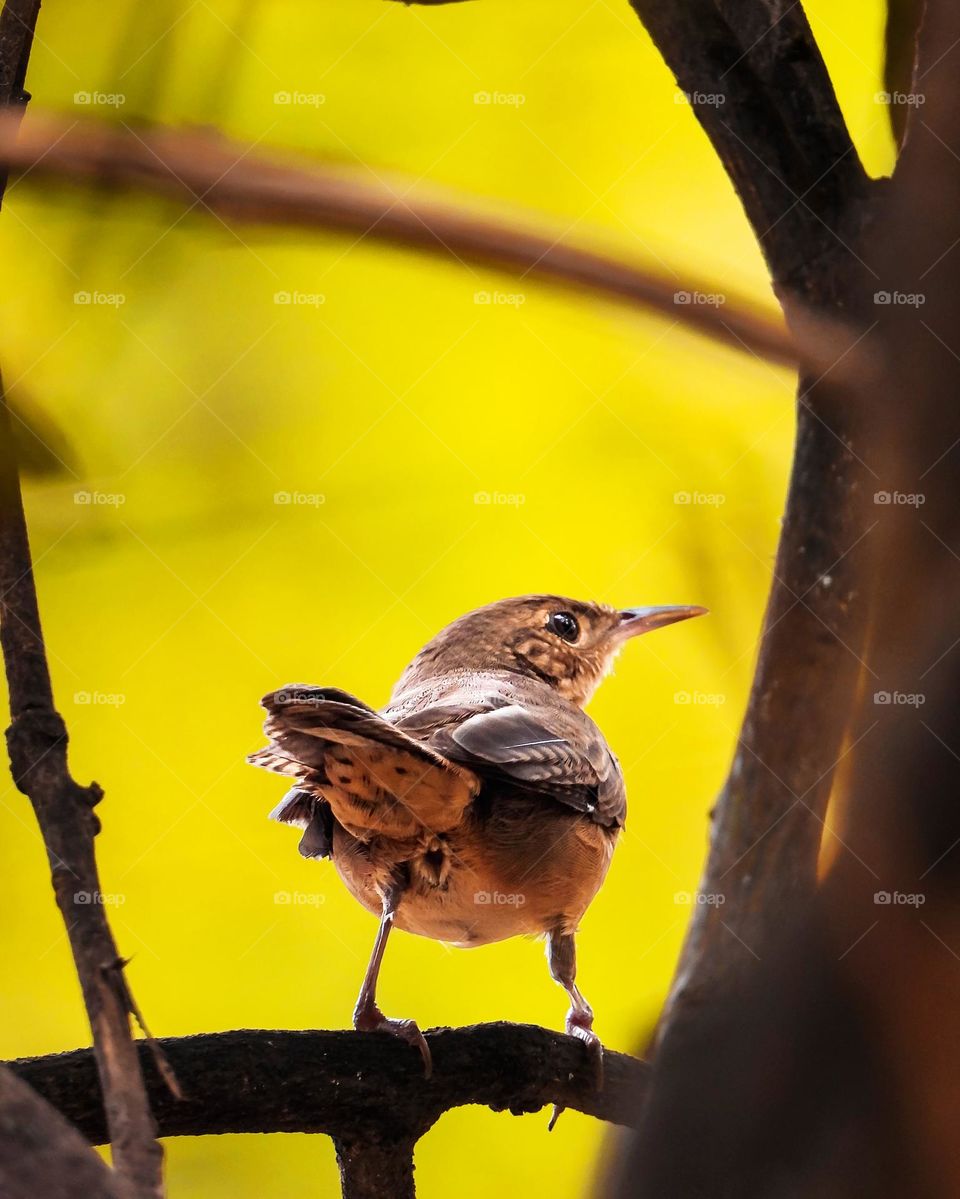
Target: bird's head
[{"x": 569, "y": 644}]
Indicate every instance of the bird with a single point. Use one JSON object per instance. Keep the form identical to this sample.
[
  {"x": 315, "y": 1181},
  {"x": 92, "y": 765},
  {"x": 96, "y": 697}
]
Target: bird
[{"x": 482, "y": 802}]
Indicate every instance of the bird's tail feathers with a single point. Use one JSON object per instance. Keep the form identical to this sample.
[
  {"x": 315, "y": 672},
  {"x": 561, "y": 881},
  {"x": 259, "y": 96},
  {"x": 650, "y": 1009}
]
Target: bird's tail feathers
[
  {"x": 295, "y": 808},
  {"x": 377, "y": 779}
]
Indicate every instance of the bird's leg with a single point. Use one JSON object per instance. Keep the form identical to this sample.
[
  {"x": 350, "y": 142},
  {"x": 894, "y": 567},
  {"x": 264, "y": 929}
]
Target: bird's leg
[
  {"x": 562, "y": 958},
  {"x": 367, "y": 1017}
]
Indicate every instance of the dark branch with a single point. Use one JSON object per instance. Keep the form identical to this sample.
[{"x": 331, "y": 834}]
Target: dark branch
[
  {"x": 351, "y": 1086},
  {"x": 853, "y": 996},
  {"x": 781, "y": 137},
  {"x": 37, "y": 743},
  {"x": 18, "y": 21},
  {"x": 761, "y": 92},
  {"x": 227, "y": 178},
  {"x": 373, "y": 1169}
]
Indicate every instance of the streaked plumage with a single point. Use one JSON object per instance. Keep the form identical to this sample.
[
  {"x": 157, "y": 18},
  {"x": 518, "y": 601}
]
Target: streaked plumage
[{"x": 482, "y": 802}]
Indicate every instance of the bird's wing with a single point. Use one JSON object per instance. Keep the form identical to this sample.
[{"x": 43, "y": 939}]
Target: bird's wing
[
  {"x": 376, "y": 778},
  {"x": 552, "y": 749}
]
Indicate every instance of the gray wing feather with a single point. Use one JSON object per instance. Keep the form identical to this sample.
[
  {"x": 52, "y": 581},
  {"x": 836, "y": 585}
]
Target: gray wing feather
[{"x": 561, "y": 754}]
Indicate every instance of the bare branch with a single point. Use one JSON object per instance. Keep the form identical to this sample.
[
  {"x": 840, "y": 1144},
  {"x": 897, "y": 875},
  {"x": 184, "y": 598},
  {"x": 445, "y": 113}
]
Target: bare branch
[
  {"x": 352, "y": 1086},
  {"x": 781, "y": 138},
  {"x": 37, "y": 743},
  {"x": 859, "y": 994},
  {"x": 372, "y": 1169},
  {"x": 759, "y": 88},
  {"x": 18, "y": 21},
  {"x": 229, "y": 179}
]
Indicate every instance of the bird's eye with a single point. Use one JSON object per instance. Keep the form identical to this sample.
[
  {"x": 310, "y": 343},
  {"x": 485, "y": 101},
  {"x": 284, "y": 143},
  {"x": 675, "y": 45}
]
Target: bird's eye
[{"x": 564, "y": 625}]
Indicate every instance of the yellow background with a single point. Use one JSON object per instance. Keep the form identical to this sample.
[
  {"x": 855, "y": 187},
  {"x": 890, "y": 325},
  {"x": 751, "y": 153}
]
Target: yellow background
[{"x": 397, "y": 399}]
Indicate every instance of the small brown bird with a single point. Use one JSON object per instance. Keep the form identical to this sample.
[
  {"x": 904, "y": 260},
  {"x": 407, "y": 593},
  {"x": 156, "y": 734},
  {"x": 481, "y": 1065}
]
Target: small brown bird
[{"x": 482, "y": 803}]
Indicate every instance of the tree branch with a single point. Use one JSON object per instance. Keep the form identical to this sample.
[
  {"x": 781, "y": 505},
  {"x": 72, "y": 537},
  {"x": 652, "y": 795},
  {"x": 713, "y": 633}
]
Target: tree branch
[
  {"x": 861, "y": 994},
  {"x": 37, "y": 743},
  {"x": 781, "y": 137},
  {"x": 227, "y": 178},
  {"x": 374, "y": 1169},
  {"x": 351, "y": 1086},
  {"x": 759, "y": 88},
  {"x": 18, "y": 21}
]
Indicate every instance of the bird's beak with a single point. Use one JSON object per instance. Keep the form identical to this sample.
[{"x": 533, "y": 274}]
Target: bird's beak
[{"x": 634, "y": 621}]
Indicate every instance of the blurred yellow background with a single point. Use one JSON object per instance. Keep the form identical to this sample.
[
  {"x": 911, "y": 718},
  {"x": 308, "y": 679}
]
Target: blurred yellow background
[{"x": 384, "y": 405}]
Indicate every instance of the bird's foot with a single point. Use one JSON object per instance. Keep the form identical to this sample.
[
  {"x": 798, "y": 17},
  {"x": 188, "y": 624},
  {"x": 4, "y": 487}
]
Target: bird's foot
[
  {"x": 580, "y": 1025},
  {"x": 371, "y": 1019}
]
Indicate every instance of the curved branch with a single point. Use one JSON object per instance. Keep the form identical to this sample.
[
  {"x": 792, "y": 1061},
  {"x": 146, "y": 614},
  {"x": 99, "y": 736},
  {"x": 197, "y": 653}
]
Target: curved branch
[
  {"x": 37, "y": 744},
  {"x": 351, "y": 1086},
  {"x": 228, "y": 178},
  {"x": 781, "y": 138},
  {"x": 759, "y": 88}
]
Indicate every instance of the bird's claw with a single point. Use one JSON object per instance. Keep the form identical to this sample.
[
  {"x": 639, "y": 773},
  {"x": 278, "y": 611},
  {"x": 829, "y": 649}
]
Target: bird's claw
[
  {"x": 582, "y": 1029},
  {"x": 407, "y": 1030}
]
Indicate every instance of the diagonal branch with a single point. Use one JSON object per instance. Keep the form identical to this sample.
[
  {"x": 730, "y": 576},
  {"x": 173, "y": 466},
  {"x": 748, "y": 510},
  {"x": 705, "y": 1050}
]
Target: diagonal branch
[
  {"x": 229, "y": 179},
  {"x": 759, "y": 88},
  {"x": 37, "y": 743}
]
